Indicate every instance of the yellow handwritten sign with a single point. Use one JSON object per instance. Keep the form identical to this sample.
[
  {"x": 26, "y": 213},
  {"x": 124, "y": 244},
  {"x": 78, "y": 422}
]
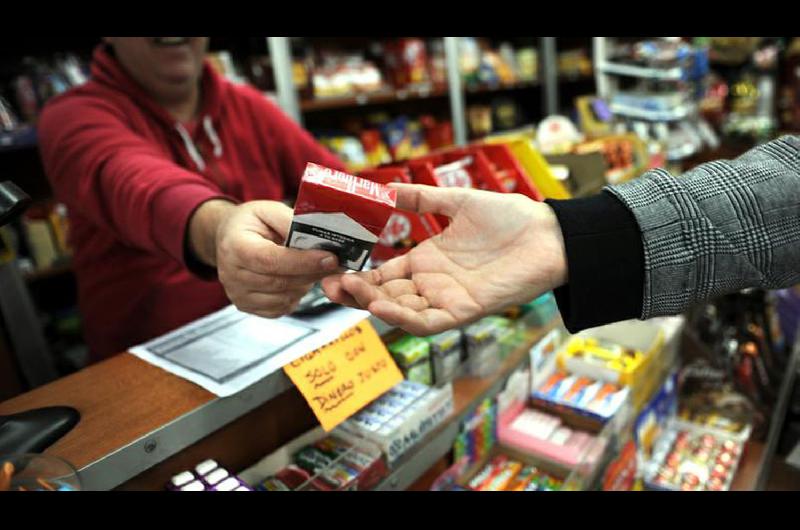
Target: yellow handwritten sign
[{"x": 343, "y": 376}]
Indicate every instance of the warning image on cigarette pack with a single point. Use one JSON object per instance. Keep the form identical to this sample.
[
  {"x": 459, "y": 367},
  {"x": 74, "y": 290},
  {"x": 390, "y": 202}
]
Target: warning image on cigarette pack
[{"x": 336, "y": 233}]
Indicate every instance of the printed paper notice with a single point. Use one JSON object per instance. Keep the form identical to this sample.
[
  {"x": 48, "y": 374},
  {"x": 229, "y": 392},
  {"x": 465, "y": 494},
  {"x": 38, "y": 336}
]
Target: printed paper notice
[
  {"x": 227, "y": 351},
  {"x": 340, "y": 378}
]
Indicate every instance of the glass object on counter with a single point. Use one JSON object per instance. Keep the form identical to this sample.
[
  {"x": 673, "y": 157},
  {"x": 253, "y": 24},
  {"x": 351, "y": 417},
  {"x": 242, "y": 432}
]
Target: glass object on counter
[{"x": 37, "y": 472}]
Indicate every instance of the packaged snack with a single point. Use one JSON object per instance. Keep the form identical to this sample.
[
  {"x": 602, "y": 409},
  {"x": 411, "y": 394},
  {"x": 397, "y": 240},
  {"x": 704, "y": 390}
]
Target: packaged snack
[
  {"x": 481, "y": 339},
  {"x": 404, "y": 230},
  {"x": 340, "y": 213},
  {"x": 312, "y": 460},
  {"x": 207, "y": 476},
  {"x": 407, "y": 62},
  {"x": 412, "y": 355},
  {"x": 404, "y": 430},
  {"x": 293, "y": 476},
  {"x": 690, "y": 458},
  {"x": 273, "y": 484},
  {"x": 446, "y": 353}
]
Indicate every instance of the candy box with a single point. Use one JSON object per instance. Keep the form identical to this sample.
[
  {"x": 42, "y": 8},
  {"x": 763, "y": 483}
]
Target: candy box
[
  {"x": 539, "y": 311},
  {"x": 455, "y": 167},
  {"x": 632, "y": 353},
  {"x": 581, "y": 401},
  {"x": 548, "y": 438},
  {"x": 340, "y": 213},
  {"x": 423, "y": 413},
  {"x": 487, "y": 341},
  {"x": 319, "y": 461},
  {"x": 688, "y": 457},
  {"x": 207, "y": 476},
  {"x": 446, "y": 351},
  {"x": 407, "y": 62},
  {"x": 508, "y": 469},
  {"x": 412, "y": 355},
  {"x": 404, "y": 230}
]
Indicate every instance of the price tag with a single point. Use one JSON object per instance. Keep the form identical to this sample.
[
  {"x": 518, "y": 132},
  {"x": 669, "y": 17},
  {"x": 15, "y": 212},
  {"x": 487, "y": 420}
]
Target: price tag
[{"x": 340, "y": 378}]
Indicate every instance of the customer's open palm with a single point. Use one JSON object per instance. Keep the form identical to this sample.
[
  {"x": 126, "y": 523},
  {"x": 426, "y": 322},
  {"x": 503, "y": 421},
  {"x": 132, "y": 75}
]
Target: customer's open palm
[{"x": 499, "y": 250}]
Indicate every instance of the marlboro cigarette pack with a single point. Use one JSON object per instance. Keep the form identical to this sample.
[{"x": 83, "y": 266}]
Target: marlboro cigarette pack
[{"x": 340, "y": 213}]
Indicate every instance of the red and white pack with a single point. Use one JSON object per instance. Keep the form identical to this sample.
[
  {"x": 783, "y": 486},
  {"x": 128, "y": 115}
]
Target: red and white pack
[{"x": 340, "y": 213}]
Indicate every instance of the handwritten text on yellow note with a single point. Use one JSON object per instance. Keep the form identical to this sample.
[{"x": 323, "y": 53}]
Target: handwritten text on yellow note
[{"x": 343, "y": 376}]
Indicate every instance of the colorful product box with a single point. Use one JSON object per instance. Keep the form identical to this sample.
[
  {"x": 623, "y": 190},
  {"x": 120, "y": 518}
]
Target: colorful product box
[
  {"x": 546, "y": 437},
  {"x": 412, "y": 355},
  {"x": 692, "y": 458},
  {"x": 405, "y": 229},
  {"x": 583, "y": 395},
  {"x": 446, "y": 352},
  {"x": 405, "y": 430},
  {"x": 340, "y": 213}
]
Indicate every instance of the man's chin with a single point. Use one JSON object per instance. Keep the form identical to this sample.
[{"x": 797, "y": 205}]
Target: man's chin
[{"x": 182, "y": 79}]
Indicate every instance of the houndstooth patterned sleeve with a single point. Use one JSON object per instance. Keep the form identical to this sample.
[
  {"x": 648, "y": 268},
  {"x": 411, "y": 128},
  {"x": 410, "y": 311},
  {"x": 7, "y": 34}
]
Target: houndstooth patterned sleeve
[{"x": 721, "y": 227}]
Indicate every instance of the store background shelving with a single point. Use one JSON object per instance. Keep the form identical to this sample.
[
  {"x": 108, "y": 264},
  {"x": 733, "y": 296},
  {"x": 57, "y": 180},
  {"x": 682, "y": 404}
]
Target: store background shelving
[{"x": 551, "y": 93}]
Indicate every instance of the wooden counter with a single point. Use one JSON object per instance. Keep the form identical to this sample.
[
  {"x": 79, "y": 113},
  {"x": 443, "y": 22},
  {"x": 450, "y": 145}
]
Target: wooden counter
[{"x": 137, "y": 418}]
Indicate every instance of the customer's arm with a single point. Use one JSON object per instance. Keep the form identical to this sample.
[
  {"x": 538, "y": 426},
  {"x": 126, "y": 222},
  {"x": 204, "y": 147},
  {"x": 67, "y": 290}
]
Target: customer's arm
[{"x": 721, "y": 227}]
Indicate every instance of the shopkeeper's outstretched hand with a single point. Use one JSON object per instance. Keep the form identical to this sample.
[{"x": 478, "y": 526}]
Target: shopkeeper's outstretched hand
[
  {"x": 499, "y": 250},
  {"x": 245, "y": 243}
]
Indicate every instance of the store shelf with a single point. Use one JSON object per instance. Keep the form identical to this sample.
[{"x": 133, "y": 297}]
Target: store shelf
[
  {"x": 64, "y": 267},
  {"x": 630, "y": 70},
  {"x": 371, "y": 98},
  {"x": 490, "y": 89},
  {"x": 23, "y": 138},
  {"x": 468, "y": 392},
  {"x": 574, "y": 78},
  {"x": 675, "y": 114}
]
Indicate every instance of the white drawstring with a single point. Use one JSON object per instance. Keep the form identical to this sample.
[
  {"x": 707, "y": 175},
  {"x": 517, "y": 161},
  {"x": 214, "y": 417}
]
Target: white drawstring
[
  {"x": 212, "y": 135},
  {"x": 193, "y": 152}
]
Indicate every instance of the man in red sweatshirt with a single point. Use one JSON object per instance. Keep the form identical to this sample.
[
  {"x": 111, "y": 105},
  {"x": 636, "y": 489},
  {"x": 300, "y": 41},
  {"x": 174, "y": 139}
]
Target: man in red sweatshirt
[{"x": 173, "y": 177}]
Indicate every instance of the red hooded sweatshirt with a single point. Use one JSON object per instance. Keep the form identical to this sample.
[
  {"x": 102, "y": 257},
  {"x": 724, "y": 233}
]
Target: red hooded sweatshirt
[{"x": 131, "y": 176}]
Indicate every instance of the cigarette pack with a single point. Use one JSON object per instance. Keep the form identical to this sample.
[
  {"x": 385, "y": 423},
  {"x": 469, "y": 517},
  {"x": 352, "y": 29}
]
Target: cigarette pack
[{"x": 340, "y": 213}]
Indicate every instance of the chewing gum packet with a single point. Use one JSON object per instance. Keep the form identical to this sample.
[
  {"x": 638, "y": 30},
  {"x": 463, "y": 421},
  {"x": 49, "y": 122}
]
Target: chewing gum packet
[{"x": 340, "y": 213}]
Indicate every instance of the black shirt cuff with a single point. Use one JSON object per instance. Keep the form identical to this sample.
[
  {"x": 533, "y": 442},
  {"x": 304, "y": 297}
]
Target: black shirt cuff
[{"x": 605, "y": 261}]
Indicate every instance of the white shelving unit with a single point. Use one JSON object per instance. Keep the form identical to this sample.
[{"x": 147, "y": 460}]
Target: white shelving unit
[
  {"x": 665, "y": 74},
  {"x": 608, "y": 72}
]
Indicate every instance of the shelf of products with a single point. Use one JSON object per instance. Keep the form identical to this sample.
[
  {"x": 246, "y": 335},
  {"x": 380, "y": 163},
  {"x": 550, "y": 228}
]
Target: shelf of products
[
  {"x": 468, "y": 392},
  {"x": 670, "y": 74},
  {"x": 371, "y": 98},
  {"x": 490, "y": 89},
  {"x": 677, "y": 113},
  {"x": 575, "y": 78}
]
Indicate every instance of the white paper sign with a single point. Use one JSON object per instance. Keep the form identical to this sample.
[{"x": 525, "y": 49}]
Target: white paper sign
[{"x": 227, "y": 351}]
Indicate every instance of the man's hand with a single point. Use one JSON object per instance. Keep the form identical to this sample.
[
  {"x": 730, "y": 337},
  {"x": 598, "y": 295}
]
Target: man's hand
[
  {"x": 245, "y": 244},
  {"x": 499, "y": 250}
]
